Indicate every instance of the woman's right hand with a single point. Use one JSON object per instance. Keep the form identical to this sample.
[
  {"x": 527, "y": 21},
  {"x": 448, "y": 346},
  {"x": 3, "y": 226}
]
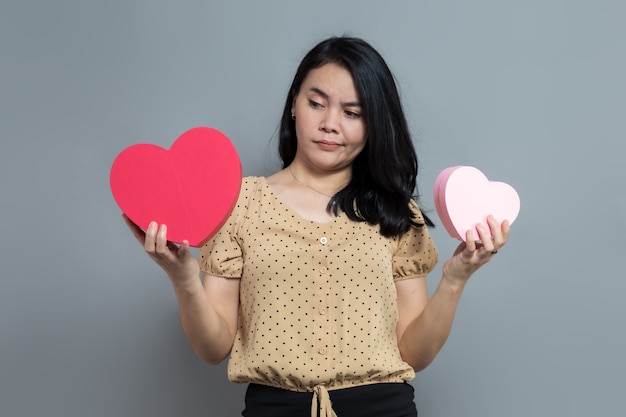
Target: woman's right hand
[{"x": 177, "y": 261}]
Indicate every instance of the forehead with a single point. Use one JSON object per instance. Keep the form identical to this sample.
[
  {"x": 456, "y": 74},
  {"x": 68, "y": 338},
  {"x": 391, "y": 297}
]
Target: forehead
[{"x": 333, "y": 80}]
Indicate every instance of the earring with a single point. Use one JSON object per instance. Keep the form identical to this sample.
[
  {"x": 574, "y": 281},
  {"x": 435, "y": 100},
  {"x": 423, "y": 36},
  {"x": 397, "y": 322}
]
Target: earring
[{"x": 293, "y": 116}]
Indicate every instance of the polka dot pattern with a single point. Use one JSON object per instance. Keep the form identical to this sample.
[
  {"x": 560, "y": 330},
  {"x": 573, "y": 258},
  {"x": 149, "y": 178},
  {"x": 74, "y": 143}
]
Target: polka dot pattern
[{"x": 317, "y": 300}]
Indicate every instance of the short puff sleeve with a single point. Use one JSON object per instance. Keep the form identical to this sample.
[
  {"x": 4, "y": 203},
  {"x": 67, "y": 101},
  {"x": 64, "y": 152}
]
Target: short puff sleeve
[
  {"x": 222, "y": 255},
  {"x": 416, "y": 254}
]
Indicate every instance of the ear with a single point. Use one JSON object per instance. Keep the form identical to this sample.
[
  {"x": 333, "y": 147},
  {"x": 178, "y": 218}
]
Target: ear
[{"x": 294, "y": 95}]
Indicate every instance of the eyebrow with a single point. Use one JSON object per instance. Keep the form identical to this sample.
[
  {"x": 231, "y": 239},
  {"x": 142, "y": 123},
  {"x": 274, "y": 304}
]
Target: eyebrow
[{"x": 345, "y": 104}]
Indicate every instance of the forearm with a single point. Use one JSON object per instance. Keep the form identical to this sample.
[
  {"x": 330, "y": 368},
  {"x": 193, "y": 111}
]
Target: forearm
[
  {"x": 426, "y": 334},
  {"x": 427, "y": 329},
  {"x": 202, "y": 312},
  {"x": 207, "y": 332}
]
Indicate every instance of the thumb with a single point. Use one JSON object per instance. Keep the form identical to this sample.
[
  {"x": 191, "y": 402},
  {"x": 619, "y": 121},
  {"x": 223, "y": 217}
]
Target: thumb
[{"x": 183, "y": 249}]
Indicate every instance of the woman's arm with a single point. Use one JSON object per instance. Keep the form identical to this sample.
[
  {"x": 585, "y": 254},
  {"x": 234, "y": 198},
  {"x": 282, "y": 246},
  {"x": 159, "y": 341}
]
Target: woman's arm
[
  {"x": 424, "y": 324},
  {"x": 208, "y": 313},
  {"x": 208, "y": 308}
]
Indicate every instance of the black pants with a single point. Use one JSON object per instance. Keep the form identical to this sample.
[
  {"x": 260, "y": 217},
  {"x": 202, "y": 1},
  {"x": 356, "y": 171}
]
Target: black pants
[{"x": 375, "y": 400}]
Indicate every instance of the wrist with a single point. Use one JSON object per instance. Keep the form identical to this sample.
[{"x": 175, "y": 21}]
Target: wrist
[
  {"x": 186, "y": 284},
  {"x": 453, "y": 284}
]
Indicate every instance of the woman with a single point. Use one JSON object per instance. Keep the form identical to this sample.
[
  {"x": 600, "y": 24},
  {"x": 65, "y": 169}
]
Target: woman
[{"x": 316, "y": 285}]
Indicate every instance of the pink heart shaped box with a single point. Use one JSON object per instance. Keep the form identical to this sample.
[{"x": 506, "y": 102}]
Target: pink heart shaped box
[
  {"x": 465, "y": 197},
  {"x": 192, "y": 187}
]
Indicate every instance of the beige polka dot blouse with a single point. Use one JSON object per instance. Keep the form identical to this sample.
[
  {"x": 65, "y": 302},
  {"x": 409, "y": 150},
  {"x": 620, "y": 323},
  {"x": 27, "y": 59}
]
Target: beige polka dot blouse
[{"x": 317, "y": 300}]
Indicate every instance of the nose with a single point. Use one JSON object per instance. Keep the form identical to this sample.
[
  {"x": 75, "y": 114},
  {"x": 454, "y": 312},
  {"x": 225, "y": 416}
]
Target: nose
[{"x": 330, "y": 122}]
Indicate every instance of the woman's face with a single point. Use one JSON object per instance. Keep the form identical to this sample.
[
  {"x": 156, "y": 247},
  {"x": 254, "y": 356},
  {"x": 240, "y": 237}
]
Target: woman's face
[{"x": 329, "y": 127}]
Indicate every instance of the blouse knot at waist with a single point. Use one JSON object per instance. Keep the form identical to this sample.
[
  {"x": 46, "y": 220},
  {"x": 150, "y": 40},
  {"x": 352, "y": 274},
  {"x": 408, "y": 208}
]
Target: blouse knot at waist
[{"x": 321, "y": 405}]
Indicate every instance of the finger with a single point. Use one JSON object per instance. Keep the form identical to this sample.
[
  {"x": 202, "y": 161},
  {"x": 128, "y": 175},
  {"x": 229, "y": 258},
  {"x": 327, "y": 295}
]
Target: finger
[
  {"x": 470, "y": 241},
  {"x": 151, "y": 237},
  {"x": 502, "y": 235},
  {"x": 506, "y": 229},
  {"x": 500, "y": 232},
  {"x": 496, "y": 231},
  {"x": 161, "y": 240},
  {"x": 183, "y": 249},
  {"x": 485, "y": 237}
]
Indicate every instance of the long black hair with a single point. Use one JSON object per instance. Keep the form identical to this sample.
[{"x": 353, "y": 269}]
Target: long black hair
[{"x": 384, "y": 173}]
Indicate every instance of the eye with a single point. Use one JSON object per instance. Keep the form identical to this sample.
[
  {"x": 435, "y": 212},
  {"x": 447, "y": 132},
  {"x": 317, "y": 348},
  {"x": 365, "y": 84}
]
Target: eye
[
  {"x": 352, "y": 115},
  {"x": 314, "y": 104}
]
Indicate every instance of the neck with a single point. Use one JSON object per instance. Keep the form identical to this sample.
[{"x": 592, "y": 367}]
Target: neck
[{"x": 321, "y": 185}]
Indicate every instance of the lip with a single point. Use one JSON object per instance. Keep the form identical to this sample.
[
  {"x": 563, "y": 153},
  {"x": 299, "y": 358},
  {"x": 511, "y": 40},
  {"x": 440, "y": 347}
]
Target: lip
[{"x": 327, "y": 145}]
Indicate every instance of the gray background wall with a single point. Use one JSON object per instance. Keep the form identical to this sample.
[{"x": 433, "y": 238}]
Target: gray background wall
[{"x": 532, "y": 92}]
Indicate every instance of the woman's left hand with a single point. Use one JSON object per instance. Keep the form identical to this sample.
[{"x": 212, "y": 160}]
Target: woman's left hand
[{"x": 475, "y": 252}]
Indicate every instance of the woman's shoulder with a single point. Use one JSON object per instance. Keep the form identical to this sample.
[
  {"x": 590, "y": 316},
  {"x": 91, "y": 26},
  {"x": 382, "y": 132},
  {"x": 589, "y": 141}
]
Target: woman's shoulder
[
  {"x": 251, "y": 188},
  {"x": 252, "y": 181},
  {"x": 252, "y": 184}
]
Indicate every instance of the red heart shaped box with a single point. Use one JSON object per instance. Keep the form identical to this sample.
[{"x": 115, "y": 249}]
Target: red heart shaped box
[{"x": 192, "y": 187}]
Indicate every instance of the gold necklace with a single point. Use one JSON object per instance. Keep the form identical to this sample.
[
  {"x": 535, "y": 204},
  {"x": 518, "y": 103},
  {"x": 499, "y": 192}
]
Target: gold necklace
[{"x": 311, "y": 188}]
